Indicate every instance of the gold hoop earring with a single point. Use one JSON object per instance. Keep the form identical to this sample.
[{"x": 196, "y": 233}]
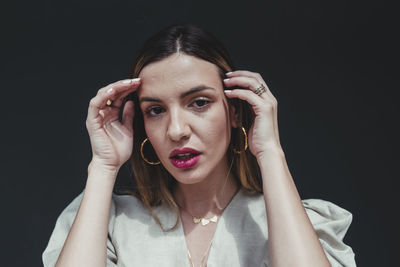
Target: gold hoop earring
[
  {"x": 245, "y": 143},
  {"x": 143, "y": 157}
]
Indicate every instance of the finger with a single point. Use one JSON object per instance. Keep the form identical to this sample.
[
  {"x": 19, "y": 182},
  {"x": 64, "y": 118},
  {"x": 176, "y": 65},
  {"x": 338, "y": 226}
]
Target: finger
[
  {"x": 119, "y": 88},
  {"x": 250, "y": 74},
  {"x": 250, "y": 83},
  {"x": 105, "y": 111},
  {"x": 245, "y": 73},
  {"x": 99, "y": 102},
  {"x": 119, "y": 99},
  {"x": 242, "y": 81},
  {"x": 111, "y": 112},
  {"x": 246, "y": 95},
  {"x": 119, "y": 129},
  {"x": 118, "y": 85}
]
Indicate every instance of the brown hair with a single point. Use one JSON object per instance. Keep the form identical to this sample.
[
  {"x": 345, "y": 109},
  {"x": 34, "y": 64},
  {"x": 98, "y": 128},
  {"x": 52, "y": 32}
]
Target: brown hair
[{"x": 154, "y": 183}]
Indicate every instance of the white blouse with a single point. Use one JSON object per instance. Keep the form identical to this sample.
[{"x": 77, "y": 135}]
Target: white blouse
[{"x": 240, "y": 239}]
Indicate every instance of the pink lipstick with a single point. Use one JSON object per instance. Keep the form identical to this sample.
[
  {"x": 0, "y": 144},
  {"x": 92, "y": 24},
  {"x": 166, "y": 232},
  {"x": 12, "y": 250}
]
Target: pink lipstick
[{"x": 184, "y": 157}]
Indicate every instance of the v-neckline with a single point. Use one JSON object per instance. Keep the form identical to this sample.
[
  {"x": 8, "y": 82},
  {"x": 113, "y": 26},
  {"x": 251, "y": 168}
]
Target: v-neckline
[{"x": 221, "y": 218}]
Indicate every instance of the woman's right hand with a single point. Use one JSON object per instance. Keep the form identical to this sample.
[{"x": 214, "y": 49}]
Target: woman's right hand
[{"x": 111, "y": 140}]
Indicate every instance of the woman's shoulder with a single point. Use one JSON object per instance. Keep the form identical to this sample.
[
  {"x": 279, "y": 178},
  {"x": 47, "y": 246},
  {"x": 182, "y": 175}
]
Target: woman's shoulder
[
  {"x": 328, "y": 216},
  {"x": 323, "y": 214},
  {"x": 320, "y": 211},
  {"x": 325, "y": 208}
]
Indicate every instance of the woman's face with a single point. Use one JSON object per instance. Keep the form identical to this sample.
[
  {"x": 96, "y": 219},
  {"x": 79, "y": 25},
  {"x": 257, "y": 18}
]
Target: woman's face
[{"x": 186, "y": 116}]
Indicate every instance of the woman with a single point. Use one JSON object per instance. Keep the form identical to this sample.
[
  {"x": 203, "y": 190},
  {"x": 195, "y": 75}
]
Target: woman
[{"x": 211, "y": 174}]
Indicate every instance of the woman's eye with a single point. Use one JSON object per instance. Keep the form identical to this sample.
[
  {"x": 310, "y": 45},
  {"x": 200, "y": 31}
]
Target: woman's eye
[
  {"x": 154, "y": 111},
  {"x": 201, "y": 103}
]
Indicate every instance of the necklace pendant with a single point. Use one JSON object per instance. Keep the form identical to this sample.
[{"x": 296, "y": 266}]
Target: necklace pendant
[
  {"x": 204, "y": 221},
  {"x": 196, "y": 220}
]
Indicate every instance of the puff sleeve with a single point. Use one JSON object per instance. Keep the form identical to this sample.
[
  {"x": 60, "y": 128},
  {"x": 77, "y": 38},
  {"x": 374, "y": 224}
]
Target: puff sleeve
[
  {"x": 61, "y": 230},
  {"x": 331, "y": 223}
]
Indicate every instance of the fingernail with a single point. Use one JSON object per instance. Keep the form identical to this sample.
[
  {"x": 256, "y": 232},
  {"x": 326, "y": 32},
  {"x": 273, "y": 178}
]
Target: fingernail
[
  {"x": 135, "y": 80},
  {"x": 225, "y": 80},
  {"x": 126, "y": 81},
  {"x": 110, "y": 90},
  {"x": 228, "y": 73},
  {"x": 227, "y": 91}
]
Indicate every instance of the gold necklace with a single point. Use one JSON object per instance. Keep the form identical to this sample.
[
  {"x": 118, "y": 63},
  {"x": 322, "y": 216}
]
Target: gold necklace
[{"x": 204, "y": 221}]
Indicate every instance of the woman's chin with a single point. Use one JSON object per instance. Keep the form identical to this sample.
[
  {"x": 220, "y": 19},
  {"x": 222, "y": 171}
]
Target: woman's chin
[
  {"x": 188, "y": 179},
  {"x": 188, "y": 176}
]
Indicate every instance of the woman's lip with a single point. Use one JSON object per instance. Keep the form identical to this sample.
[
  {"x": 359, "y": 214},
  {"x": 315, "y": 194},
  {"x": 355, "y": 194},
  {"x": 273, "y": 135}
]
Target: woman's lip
[
  {"x": 183, "y": 150},
  {"x": 185, "y": 163}
]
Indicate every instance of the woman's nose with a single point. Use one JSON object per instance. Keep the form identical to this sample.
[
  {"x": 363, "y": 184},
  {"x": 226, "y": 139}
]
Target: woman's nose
[{"x": 178, "y": 127}]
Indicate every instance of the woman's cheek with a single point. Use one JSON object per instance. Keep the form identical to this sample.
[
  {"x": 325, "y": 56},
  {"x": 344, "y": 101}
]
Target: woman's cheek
[{"x": 216, "y": 129}]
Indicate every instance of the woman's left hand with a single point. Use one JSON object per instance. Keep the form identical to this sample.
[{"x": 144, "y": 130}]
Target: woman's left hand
[{"x": 263, "y": 134}]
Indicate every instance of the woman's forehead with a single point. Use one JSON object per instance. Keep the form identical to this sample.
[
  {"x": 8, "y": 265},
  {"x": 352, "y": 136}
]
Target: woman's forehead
[{"x": 178, "y": 71}]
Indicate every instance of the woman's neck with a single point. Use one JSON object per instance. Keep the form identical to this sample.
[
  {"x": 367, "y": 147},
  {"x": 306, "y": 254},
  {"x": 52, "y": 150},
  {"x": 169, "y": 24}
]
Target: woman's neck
[{"x": 210, "y": 196}]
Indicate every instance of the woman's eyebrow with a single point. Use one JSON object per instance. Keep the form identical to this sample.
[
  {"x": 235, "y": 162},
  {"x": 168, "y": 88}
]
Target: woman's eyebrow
[
  {"x": 183, "y": 95},
  {"x": 196, "y": 89},
  {"x": 148, "y": 99}
]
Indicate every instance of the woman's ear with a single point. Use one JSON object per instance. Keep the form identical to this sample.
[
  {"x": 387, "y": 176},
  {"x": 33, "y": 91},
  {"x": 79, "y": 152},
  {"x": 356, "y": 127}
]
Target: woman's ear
[{"x": 234, "y": 117}]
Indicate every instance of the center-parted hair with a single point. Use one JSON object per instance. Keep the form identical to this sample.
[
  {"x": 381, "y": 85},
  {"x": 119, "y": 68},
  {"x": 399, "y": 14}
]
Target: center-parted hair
[{"x": 154, "y": 184}]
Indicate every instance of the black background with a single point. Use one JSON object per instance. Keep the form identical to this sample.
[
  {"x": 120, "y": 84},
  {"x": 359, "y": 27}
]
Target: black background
[{"x": 332, "y": 66}]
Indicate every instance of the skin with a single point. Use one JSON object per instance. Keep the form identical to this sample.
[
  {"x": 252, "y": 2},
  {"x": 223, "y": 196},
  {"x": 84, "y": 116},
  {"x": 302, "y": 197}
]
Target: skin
[{"x": 205, "y": 188}]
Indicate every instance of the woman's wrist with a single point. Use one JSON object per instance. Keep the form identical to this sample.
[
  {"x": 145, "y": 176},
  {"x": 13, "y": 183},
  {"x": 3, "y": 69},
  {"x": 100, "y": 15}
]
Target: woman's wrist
[
  {"x": 99, "y": 165},
  {"x": 273, "y": 150},
  {"x": 101, "y": 173}
]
